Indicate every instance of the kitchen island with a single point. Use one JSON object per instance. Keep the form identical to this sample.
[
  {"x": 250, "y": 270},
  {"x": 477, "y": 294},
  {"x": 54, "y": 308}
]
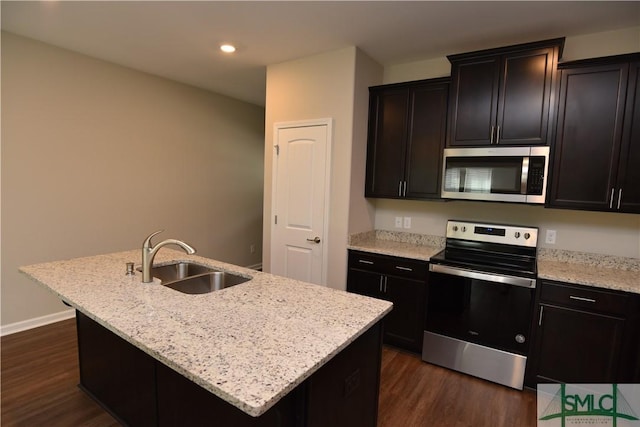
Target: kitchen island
[{"x": 270, "y": 351}]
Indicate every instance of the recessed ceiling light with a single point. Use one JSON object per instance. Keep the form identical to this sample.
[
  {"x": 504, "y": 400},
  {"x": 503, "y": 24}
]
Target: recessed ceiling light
[{"x": 227, "y": 48}]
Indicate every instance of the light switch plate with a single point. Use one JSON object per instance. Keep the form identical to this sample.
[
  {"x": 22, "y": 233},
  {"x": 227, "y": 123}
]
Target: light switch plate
[
  {"x": 407, "y": 222},
  {"x": 398, "y": 222}
]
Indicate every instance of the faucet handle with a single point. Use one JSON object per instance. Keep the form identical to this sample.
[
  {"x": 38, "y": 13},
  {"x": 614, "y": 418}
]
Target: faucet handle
[{"x": 147, "y": 241}]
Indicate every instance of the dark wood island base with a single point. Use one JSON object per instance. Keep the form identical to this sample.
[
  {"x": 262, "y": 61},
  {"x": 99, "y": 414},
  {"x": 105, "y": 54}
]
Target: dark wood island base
[{"x": 138, "y": 390}]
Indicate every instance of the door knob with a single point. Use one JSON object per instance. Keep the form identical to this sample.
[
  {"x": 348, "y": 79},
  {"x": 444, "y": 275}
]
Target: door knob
[{"x": 314, "y": 240}]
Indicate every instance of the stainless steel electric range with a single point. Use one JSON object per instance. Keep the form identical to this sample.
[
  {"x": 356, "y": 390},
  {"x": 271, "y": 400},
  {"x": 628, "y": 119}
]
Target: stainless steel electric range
[{"x": 480, "y": 301}]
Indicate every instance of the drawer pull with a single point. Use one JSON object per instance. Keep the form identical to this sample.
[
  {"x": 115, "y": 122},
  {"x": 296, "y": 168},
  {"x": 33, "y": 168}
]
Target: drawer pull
[
  {"x": 404, "y": 268},
  {"x": 611, "y": 198},
  {"x": 364, "y": 261},
  {"x": 540, "y": 317},
  {"x": 582, "y": 298}
]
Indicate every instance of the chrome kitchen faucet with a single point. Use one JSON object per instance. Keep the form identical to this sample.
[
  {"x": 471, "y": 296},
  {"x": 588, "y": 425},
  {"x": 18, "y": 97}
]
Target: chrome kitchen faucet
[{"x": 149, "y": 252}]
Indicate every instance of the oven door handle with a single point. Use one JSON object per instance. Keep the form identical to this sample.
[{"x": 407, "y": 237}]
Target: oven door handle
[{"x": 489, "y": 277}]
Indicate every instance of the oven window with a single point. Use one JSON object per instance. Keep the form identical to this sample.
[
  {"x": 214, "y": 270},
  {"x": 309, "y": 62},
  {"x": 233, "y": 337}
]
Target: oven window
[
  {"x": 486, "y": 313},
  {"x": 483, "y": 175}
]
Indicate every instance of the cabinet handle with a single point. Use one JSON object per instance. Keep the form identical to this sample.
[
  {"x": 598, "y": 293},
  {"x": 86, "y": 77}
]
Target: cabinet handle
[
  {"x": 611, "y": 198},
  {"x": 582, "y": 298},
  {"x": 385, "y": 284},
  {"x": 364, "y": 261},
  {"x": 540, "y": 316},
  {"x": 619, "y": 197},
  {"x": 498, "y": 135},
  {"x": 404, "y": 189},
  {"x": 404, "y": 268},
  {"x": 381, "y": 277},
  {"x": 491, "y": 137},
  {"x": 399, "y": 188}
]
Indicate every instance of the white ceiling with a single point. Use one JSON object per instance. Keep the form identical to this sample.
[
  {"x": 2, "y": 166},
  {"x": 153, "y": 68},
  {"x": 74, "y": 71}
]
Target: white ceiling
[{"x": 179, "y": 39}]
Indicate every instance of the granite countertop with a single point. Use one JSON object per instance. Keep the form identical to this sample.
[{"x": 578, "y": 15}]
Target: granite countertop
[
  {"x": 602, "y": 271},
  {"x": 250, "y": 344},
  {"x": 404, "y": 245}
]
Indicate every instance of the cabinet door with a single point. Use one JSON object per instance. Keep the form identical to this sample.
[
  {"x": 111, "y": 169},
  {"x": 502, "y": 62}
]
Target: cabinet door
[
  {"x": 181, "y": 402},
  {"x": 344, "y": 392},
  {"x": 121, "y": 377},
  {"x": 364, "y": 283},
  {"x": 473, "y": 102},
  {"x": 525, "y": 93},
  {"x": 576, "y": 346},
  {"x": 427, "y": 130},
  {"x": 386, "y": 142},
  {"x": 628, "y": 186},
  {"x": 588, "y": 136},
  {"x": 404, "y": 326}
]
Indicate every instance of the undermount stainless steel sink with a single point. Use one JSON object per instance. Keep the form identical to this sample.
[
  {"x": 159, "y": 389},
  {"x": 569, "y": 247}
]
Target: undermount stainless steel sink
[
  {"x": 177, "y": 271},
  {"x": 206, "y": 283},
  {"x": 190, "y": 278}
]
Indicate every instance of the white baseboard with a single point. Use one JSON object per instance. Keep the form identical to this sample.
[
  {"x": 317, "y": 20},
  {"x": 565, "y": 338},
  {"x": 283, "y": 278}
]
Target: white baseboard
[{"x": 24, "y": 325}]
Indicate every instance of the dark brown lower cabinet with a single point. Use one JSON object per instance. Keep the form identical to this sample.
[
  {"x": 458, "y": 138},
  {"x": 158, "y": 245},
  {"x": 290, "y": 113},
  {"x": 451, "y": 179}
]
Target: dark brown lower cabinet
[
  {"x": 120, "y": 377},
  {"x": 584, "y": 335},
  {"x": 140, "y": 391},
  {"x": 399, "y": 280}
]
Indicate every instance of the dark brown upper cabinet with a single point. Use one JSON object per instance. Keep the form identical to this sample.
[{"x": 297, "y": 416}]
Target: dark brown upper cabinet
[
  {"x": 407, "y": 126},
  {"x": 596, "y": 155},
  {"x": 503, "y": 96}
]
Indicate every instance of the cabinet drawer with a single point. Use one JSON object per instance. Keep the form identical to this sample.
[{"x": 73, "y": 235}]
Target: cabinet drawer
[
  {"x": 366, "y": 261},
  {"x": 388, "y": 265},
  {"x": 583, "y": 297},
  {"x": 408, "y": 268}
]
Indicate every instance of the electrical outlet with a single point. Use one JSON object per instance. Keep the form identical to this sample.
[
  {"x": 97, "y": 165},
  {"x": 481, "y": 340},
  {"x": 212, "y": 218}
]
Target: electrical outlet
[
  {"x": 398, "y": 222},
  {"x": 407, "y": 222},
  {"x": 551, "y": 237},
  {"x": 252, "y": 248}
]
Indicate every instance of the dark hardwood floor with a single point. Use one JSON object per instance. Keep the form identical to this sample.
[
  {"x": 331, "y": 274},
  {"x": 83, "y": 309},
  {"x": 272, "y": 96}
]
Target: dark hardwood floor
[
  {"x": 415, "y": 393},
  {"x": 40, "y": 377}
]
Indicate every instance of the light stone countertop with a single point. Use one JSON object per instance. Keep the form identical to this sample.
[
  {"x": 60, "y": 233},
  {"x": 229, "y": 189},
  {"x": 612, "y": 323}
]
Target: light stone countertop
[
  {"x": 250, "y": 344},
  {"x": 399, "y": 244},
  {"x": 601, "y": 271}
]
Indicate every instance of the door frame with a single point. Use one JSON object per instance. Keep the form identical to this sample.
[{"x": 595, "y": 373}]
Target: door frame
[{"x": 277, "y": 126}]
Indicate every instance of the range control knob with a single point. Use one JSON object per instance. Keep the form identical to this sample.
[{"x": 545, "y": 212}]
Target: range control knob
[
  {"x": 517, "y": 234},
  {"x": 455, "y": 228},
  {"x": 464, "y": 228},
  {"x": 526, "y": 236},
  {"x": 520, "y": 339}
]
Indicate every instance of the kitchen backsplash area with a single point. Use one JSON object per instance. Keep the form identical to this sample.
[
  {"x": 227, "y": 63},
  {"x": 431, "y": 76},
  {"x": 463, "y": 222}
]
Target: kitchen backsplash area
[{"x": 579, "y": 231}]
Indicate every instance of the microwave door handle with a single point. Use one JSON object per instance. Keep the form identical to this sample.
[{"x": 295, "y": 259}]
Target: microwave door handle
[{"x": 525, "y": 175}]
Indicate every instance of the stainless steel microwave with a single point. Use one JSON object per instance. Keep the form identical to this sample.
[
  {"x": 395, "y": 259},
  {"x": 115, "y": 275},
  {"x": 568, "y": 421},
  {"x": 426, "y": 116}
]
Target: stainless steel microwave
[{"x": 499, "y": 174}]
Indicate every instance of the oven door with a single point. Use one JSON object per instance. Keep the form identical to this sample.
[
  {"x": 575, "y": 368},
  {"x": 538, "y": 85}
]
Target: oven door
[{"x": 488, "y": 309}]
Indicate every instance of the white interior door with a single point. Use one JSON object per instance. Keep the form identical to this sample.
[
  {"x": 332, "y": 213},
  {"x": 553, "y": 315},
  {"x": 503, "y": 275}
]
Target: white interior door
[{"x": 301, "y": 175}]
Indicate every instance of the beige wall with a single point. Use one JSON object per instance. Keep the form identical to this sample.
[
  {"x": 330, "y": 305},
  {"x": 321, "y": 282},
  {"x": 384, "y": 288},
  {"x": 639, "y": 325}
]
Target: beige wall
[
  {"x": 361, "y": 210},
  {"x": 597, "y": 232},
  {"x": 626, "y": 40},
  {"x": 96, "y": 156},
  {"x": 322, "y": 86}
]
